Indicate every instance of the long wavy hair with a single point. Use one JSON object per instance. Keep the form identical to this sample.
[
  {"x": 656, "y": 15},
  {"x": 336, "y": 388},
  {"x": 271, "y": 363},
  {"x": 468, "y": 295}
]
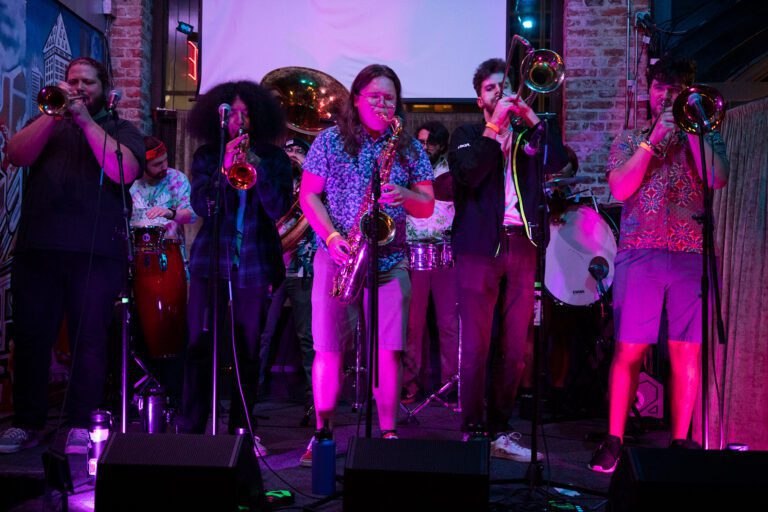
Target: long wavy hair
[
  {"x": 267, "y": 120},
  {"x": 350, "y": 127}
]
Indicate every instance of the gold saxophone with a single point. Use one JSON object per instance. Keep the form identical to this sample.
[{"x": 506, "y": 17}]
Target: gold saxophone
[{"x": 348, "y": 280}]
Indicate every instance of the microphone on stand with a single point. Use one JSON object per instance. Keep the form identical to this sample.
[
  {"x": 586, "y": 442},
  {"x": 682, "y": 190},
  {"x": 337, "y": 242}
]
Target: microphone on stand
[
  {"x": 113, "y": 100},
  {"x": 224, "y": 110},
  {"x": 694, "y": 101}
]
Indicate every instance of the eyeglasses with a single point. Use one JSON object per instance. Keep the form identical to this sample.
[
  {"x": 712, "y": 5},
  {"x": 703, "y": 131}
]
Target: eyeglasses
[
  {"x": 375, "y": 99},
  {"x": 296, "y": 149}
]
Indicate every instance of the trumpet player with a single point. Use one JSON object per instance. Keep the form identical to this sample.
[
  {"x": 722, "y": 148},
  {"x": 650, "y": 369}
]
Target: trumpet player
[
  {"x": 250, "y": 255},
  {"x": 68, "y": 259},
  {"x": 657, "y": 173},
  {"x": 336, "y": 174},
  {"x": 496, "y": 194}
]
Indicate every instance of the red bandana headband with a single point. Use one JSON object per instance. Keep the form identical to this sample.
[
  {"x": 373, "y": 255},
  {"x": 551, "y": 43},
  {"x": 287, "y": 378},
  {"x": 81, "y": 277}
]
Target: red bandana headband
[{"x": 156, "y": 152}]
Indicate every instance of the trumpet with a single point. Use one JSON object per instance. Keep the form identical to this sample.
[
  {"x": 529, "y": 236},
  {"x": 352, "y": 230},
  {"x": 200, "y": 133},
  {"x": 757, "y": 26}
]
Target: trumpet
[
  {"x": 54, "y": 101},
  {"x": 241, "y": 174}
]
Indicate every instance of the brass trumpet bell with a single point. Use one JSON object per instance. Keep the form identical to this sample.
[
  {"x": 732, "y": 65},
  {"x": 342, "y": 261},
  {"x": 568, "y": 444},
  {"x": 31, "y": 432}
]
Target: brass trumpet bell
[
  {"x": 687, "y": 116},
  {"x": 544, "y": 70},
  {"x": 310, "y": 98},
  {"x": 53, "y": 101}
]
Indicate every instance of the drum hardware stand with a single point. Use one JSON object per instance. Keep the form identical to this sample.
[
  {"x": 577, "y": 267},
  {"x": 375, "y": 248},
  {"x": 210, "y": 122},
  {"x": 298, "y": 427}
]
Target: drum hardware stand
[
  {"x": 358, "y": 369},
  {"x": 437, "y": 396}
]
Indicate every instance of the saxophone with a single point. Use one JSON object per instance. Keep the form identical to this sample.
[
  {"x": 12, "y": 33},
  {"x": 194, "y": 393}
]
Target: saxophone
[{"x": 348, "y": 280}]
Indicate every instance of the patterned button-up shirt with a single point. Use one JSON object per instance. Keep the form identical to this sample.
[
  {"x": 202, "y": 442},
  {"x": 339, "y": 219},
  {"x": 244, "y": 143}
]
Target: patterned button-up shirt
[
  {"x": 347, "y": 177},
  {"x": 173, "y": 191},
  {"x": 659, "y": 215},
  {"x": 436, "y": 225}
]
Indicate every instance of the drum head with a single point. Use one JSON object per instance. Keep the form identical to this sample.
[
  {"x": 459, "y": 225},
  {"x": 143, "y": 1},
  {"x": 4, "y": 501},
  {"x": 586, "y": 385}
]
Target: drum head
[{"x": 573, "y": 246}]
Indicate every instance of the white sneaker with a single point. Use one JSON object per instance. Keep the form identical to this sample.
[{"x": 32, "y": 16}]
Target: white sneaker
[
  {"x": 259, "y": 449},
  {"x": 77, "y": 442},
  {"x": 507, "y": 446}
]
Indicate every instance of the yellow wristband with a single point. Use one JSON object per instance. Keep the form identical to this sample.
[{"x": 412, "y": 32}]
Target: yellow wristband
[
  {"x": 493, "y": 127},
  {"x": 331, "y": 237},
  {"x": 647, "y": 147}
]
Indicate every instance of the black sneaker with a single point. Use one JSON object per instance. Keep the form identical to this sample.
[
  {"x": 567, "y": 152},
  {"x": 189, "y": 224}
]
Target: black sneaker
[
  {"x": 684, "y": 444},
  {"x": 16, "y": 439},
  {"x": 606, "y": 457}
]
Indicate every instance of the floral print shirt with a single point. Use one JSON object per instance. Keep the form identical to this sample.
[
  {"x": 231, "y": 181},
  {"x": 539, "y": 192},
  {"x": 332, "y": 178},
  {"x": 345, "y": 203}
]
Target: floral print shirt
[
  {"x": 435, "y": 226},
  {"x": 660, "y": 214},
  {"x": 173, "y": 191},
  {"x": 347, "y": 177}
]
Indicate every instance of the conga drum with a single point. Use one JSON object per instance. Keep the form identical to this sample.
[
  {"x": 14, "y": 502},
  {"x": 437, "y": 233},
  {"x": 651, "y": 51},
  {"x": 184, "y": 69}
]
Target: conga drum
[{"x": 160, "y": 290}]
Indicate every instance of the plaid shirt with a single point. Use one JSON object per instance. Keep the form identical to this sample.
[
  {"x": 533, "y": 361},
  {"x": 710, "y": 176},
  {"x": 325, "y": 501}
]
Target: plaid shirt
[
  {"x": 261, "y": 261},
  {"x": 660, "y": 214}
]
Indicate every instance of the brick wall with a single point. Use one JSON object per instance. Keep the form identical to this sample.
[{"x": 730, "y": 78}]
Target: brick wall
[
  {"x": 595, "y": 57},
  {"x": 130, "y": 42}
]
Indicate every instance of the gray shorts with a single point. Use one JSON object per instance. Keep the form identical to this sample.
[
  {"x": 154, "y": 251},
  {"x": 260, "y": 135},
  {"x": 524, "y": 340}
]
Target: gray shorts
[
  {"x": 645, "y": 283},
  {"x": 334, "y": 324}
]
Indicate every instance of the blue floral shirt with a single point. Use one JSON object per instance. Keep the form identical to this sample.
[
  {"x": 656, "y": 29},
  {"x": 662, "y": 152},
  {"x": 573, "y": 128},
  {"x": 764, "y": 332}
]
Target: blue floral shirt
[{"x": 347, "y": 177}]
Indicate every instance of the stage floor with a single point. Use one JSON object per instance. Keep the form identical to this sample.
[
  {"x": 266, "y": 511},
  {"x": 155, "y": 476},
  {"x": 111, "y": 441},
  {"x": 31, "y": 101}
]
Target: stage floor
[{"x": 566, "y": 446}]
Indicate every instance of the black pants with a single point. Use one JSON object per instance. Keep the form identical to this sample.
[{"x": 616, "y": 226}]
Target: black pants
[
  {"x": 46, "y": 285},
  {"x": 299, "y": 291},
  {"x": 250, "y": 307},
  {"x": 482, "y": 281}
]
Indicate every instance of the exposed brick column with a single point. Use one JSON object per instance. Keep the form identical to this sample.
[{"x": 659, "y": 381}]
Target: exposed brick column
[
  {"x": 594, "y": 97},
  {"x": 131, "y": 45}
]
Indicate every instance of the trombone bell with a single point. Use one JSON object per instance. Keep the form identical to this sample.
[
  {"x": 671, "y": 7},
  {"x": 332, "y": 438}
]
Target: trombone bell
[{"x": 688, "y": 118}]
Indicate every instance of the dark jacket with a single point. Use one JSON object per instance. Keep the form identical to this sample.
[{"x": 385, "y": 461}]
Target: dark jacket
[
  {"x": 261, "y": 261},
  {"x": 477, "y": 166}
]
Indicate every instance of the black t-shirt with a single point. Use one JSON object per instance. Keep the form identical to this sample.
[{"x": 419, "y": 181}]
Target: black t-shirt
[{"x": 60, "y": 209}]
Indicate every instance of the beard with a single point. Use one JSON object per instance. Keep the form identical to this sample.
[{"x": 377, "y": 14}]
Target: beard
[{"x": 98, "y": 103}]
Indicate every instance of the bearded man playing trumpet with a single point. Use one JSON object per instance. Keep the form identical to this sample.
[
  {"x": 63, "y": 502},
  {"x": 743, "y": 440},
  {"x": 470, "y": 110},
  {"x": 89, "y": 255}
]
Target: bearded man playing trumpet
[
  {"x": 70, "y": 255},
  {"x": 250, "y": 254},
  {"x": 657, "y": 173},
  {"x": 337, "y": 172}
]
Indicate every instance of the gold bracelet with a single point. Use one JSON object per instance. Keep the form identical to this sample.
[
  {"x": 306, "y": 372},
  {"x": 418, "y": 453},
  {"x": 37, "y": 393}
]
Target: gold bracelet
[
  {"x": 644, "y": 145},
  {"x": 331, "y": 237},
  {"x": 493, "y": 127}
]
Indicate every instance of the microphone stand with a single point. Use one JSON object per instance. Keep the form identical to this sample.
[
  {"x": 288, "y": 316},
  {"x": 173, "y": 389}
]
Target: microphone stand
[
  {"x": 125, "y": 294},
  {"x": 213, "y": 297},
  {"x": 709, "y": 268},
  {"x": 371, "y": 238}
]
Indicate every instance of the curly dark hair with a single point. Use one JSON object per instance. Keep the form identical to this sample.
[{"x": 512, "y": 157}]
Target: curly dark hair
[
  {"x": 101, "y": 71},
  {"x": 672, "y": 69},
  {"x": 351, "y": 129},
  {"x": 264, "y": 112},
  {"x": 438, "y": 133},
  {"x": 486, "y": 69}
]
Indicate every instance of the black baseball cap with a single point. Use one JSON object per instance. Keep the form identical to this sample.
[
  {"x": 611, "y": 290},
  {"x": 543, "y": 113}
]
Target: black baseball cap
[{"x": 296, "y": 141}]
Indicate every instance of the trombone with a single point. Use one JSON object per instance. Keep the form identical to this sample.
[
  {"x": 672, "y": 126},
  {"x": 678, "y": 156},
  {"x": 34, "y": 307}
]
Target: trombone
[
  {"x": 54, "y": 101},
  {"x": 542, "y": 71},
  {"x": 688, "y": 116}
]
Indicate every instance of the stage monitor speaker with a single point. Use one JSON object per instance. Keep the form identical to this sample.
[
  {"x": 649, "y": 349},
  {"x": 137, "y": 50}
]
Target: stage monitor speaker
[
  {"x": 416, "y": 475},
  {"x": 178, "y": 472},
  {"x": 677, "y": 479}
]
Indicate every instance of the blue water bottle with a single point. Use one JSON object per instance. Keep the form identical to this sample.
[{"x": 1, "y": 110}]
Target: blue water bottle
[{"x": 323, "y": 462}]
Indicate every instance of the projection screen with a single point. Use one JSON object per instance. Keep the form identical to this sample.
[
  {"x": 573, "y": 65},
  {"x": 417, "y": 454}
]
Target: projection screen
[{"x": 433, "y": 45}]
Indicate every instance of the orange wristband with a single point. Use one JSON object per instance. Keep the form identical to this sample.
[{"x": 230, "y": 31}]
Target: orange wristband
[
  {"x": 493, "y": 127},
  {"x": 331, "y": 237},
  {"x": 647, "y": 147}
]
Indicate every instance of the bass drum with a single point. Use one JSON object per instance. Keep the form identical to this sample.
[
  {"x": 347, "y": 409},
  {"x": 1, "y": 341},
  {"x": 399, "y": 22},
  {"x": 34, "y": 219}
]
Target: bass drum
[{"x": 582, "y": 238}]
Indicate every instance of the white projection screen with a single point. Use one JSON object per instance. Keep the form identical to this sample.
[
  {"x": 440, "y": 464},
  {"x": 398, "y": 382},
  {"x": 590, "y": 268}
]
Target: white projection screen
[{"x": 433, "y": 45}]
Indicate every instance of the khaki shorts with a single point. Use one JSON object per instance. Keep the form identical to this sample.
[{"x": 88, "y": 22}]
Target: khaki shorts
[{"x": 334, "y": 324}]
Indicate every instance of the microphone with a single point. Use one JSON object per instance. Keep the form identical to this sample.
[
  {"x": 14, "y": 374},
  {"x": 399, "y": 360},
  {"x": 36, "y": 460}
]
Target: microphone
[
  {"x": 694, "y": 101},
  {"x": 114, "y": 99},
  {"x": 224, "y": 110},
  {"x": 598, "y": 269}
]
